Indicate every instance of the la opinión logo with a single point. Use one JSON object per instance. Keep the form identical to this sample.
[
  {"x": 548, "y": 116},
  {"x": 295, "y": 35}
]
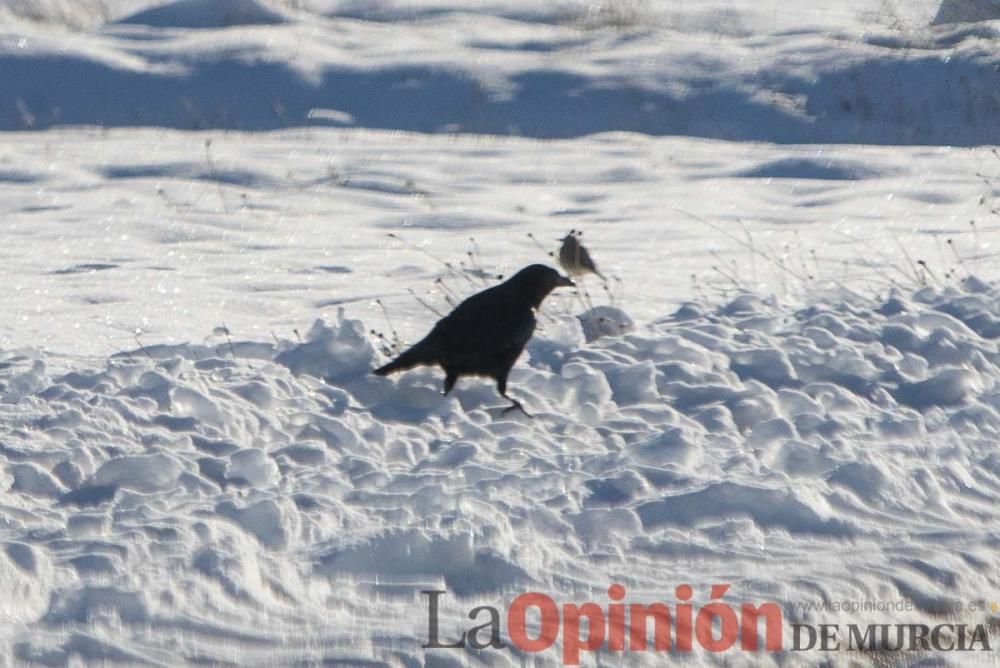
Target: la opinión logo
[{"x": 616, "y": 626}]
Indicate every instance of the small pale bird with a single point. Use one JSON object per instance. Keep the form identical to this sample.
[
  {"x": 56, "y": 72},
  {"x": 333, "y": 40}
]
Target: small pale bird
[
  {"x": 574, "y": 257},
  {"x": 486, "y": 333}
]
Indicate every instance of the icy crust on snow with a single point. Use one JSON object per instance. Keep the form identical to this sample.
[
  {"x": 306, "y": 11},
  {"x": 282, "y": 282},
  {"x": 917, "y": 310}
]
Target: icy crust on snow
[{"x": 259, "y": 501}]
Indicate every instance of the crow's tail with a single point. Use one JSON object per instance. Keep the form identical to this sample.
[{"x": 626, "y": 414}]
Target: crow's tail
[{"x": 421, "y": 353}]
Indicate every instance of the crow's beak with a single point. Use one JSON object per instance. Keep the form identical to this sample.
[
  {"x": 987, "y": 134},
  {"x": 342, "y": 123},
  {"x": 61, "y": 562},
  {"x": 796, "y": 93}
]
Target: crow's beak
[{"x": 565, "y": 283}]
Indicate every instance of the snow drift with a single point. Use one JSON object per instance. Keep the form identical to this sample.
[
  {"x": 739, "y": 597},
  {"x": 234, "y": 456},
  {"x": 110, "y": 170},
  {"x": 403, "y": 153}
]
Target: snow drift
[{"x": 241, "y": 501}]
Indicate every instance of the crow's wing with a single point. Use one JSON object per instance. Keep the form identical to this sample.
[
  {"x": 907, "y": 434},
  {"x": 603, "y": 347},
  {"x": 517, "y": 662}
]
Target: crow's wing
[{"x": 484, "y": 326}]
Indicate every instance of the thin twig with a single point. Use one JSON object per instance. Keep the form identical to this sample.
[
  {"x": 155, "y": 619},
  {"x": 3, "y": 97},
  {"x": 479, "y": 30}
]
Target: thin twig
[
  {"x": 388, "y": 320},
  {"x": 906, "y": 255},
  {"x": 143, "y": 348},
  {"x": 736, "y": 239},
  {"x": 424, "y": 304},
  {"x": 540, "y": 247},
  {"x": 229, "y": 340}
]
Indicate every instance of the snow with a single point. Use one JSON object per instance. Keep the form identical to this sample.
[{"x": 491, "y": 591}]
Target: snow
[
  {"x": 205, "y": 14},
  {"x": 742, "y": 440},
  {"x": 952, "y": 11},
  {"x": 220, "y": 216},
  {"x": 547, "y": 75}
]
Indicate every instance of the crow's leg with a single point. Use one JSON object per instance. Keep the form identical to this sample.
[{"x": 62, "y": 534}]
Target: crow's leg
[
  {"x": 449, "y": 380},
  {"x": 514, "y": 403}
]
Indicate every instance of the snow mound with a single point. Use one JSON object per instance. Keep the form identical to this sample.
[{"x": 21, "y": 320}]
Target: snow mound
[
  {"x": 811, "y": 168},
  {"x": 338, "y": 352},
  {"x": 604, "y": 321},
  {"x": 206, "y": 14},
  {"x": 967, "y": 11}
]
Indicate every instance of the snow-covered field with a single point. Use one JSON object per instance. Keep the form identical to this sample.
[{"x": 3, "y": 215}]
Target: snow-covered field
[{"x": 217, "y": 216}]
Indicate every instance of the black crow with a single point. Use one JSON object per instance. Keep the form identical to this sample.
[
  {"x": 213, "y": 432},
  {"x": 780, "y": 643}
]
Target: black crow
[
  {"x": 574, "y": 258},
  {"x": 485, "y": 334}
]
